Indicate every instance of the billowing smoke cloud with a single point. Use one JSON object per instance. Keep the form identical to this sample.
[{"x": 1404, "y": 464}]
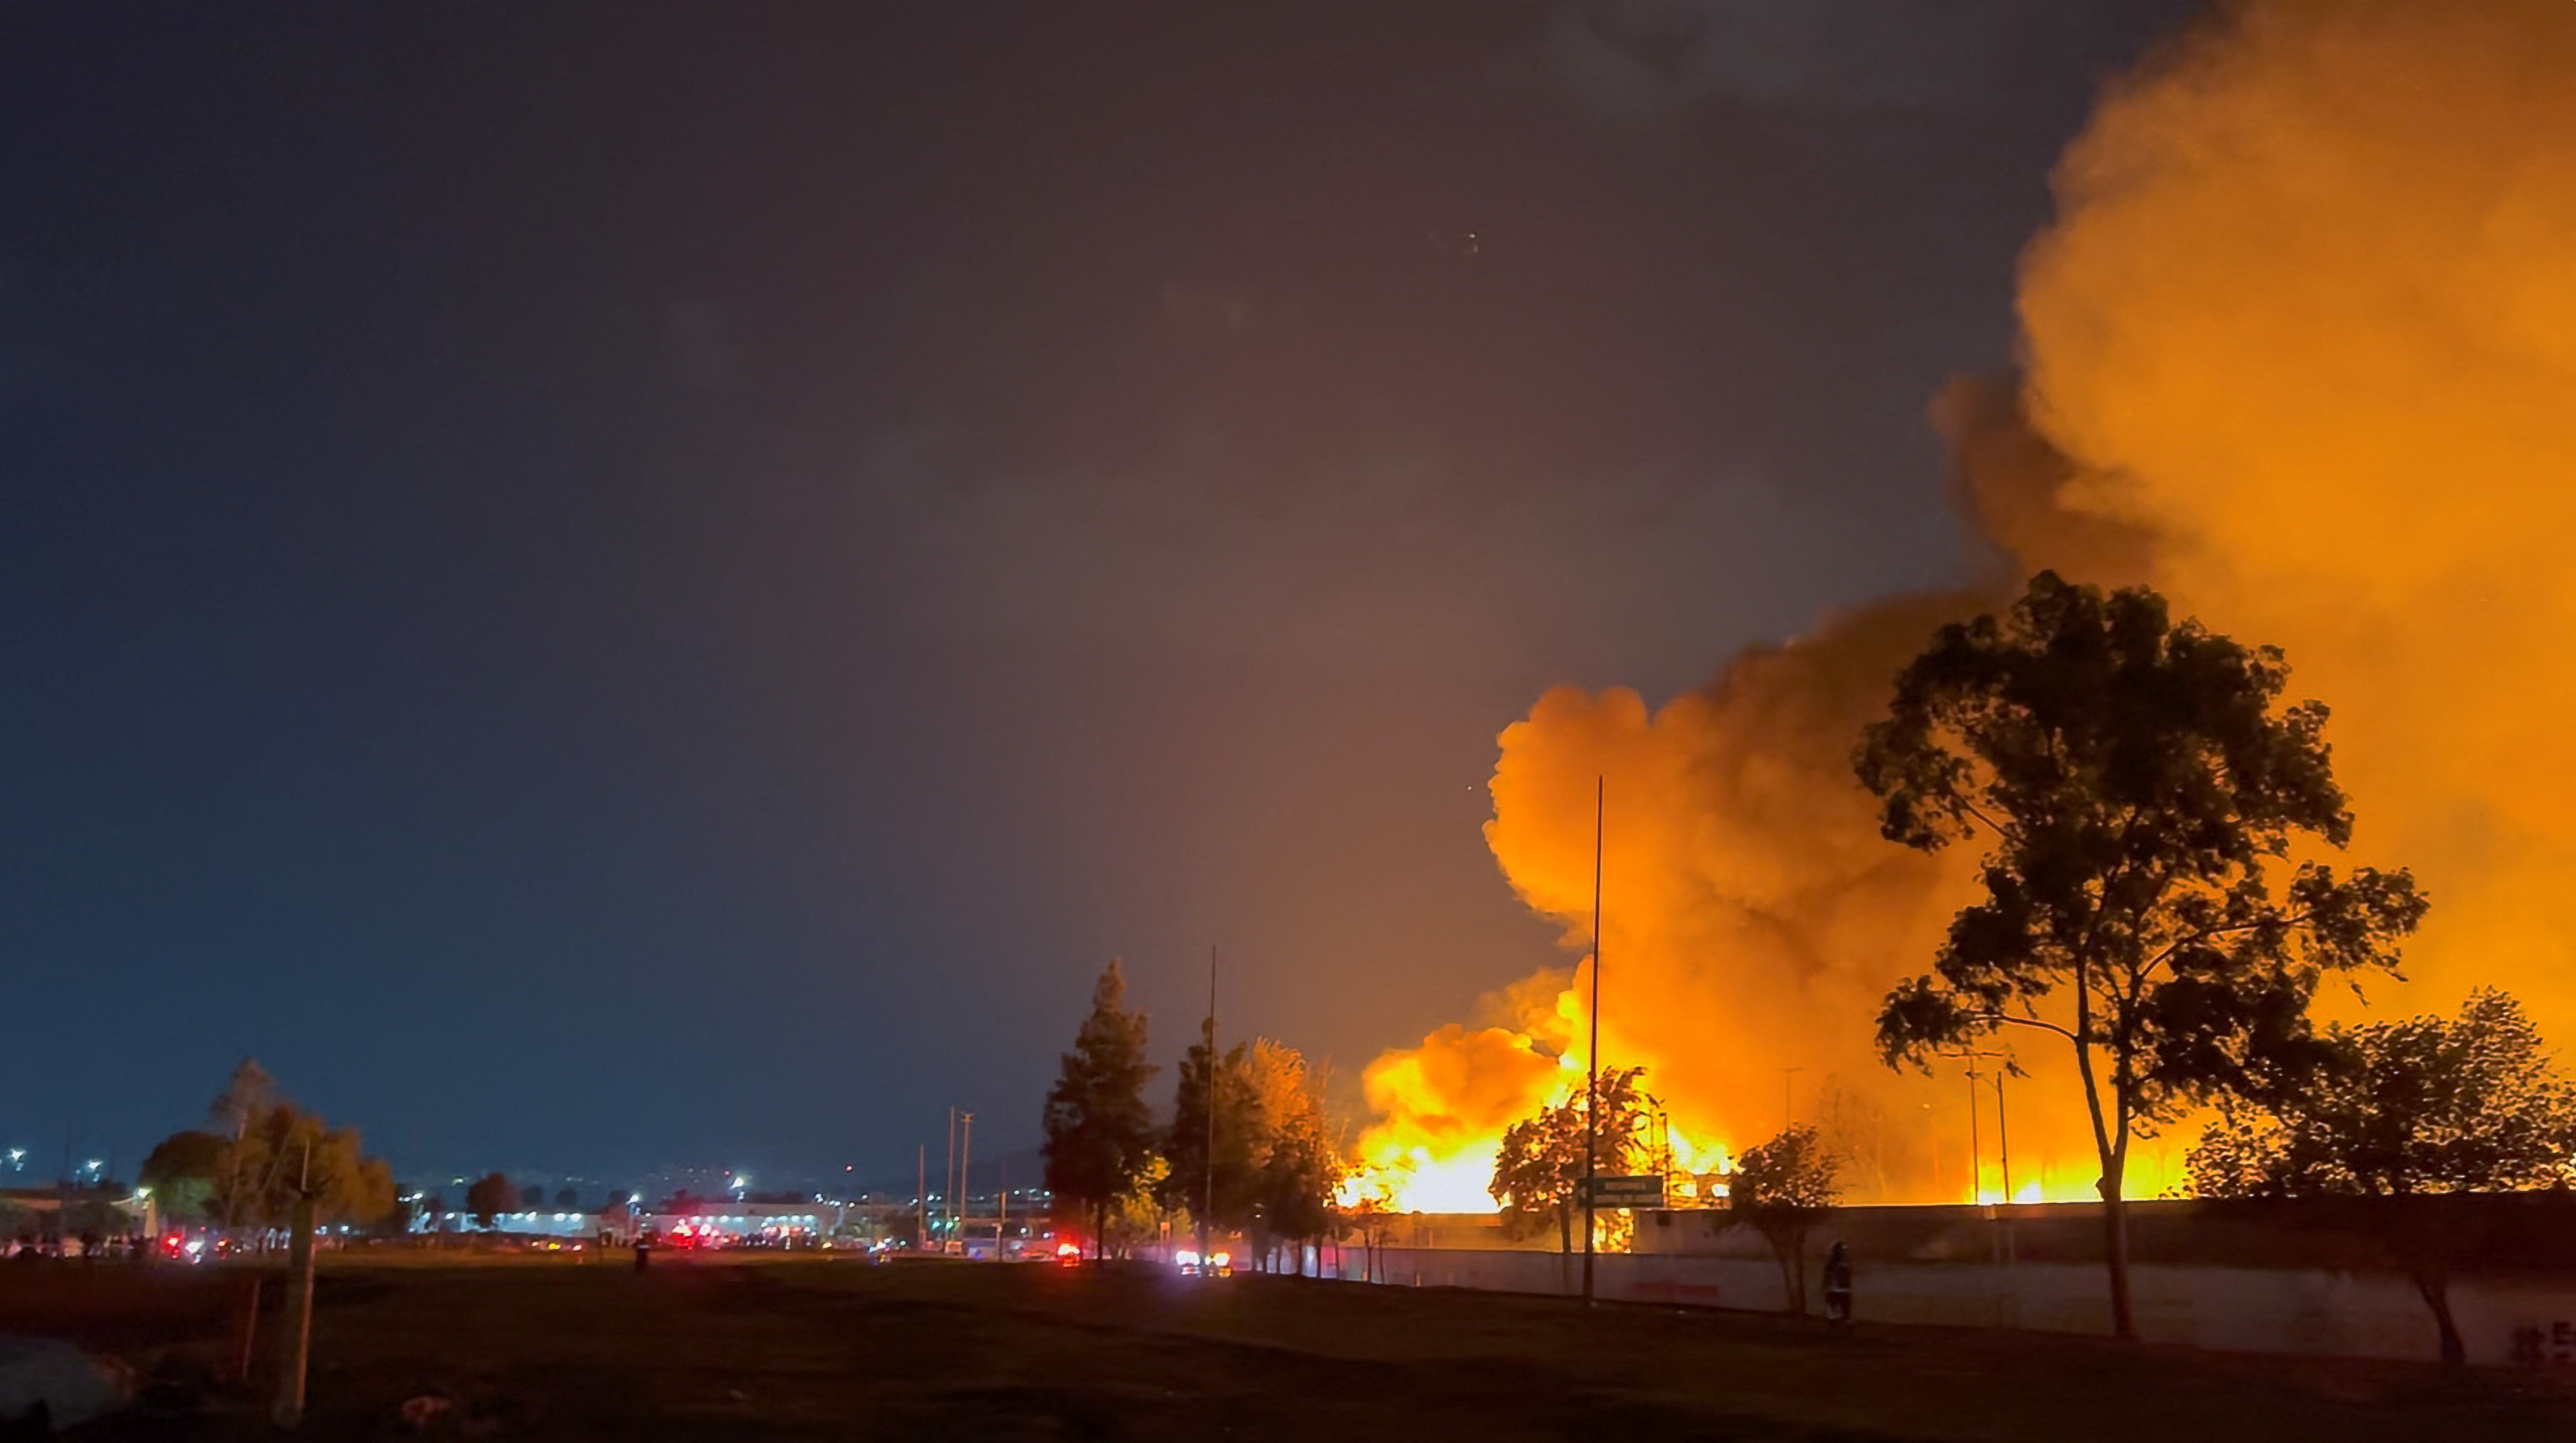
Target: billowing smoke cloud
[
  {"x": 2302, "y": 352},
  {"x": 2309, "y": 315},
  {"x": 1752, "y": 914}
]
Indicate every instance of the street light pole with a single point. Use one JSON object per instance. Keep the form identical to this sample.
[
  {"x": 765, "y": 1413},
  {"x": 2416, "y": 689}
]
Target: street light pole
[
  {"x": 1592, "y": 1049},
  {"x": 1976, "y": 1151},
  {"x": 2003, "y": 1137}
]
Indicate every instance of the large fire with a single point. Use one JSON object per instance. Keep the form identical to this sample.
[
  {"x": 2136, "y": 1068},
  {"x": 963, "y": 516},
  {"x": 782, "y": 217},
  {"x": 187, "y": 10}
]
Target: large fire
[{"x": 2301, "y": 352}]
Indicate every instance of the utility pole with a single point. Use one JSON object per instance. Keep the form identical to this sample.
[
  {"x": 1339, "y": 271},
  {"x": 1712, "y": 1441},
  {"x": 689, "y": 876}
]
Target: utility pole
[
  {"x": 2003, "y": 1138},
  {"x": 948, "y": 1181},
  {"x": 1976, "y": 1151},
  {"x": 289, "y": 1409},
  {"x": 2003, "y": 1142},
  {"x": 1788, "y": 1098},
  {"x": 1592, "y": 1049},
  {"x": 965, "y": 1148},
  {"x": 921, "y": 1194}
]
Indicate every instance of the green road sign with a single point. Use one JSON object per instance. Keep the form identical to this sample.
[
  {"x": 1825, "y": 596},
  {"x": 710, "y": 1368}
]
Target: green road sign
[{"x": 1628, "y": 1192}]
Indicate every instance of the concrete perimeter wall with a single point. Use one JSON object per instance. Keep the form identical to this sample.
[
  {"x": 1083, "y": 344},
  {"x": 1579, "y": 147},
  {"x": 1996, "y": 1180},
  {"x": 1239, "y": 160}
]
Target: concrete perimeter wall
[{"x": 2261, "y": 1310}]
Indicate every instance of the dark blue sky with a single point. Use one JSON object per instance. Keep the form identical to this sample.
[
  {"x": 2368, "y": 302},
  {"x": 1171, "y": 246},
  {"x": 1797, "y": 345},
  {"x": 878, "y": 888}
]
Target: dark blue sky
[{"x": 600, "y": 585}]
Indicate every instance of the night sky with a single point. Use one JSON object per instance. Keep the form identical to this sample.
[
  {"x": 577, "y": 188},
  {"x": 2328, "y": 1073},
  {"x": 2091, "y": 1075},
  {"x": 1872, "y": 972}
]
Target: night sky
[{"x": 622, "y": 584}]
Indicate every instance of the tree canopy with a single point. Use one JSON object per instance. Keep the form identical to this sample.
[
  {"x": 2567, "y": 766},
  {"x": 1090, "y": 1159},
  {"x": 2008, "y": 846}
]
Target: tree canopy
[
  {"x": 488, "y": 1197},
  {"x": 1300, "y": 1168},
  {"x": 1782, "y": 1189},
  {"x": 2404, "y": 1109},
  {"x": 268, "y": 1152},
  {"x": 2138, "y": 788},
  {"x": 1226, "y": 1195},
  {"x": 182, "y": 1170},
  {"x": 1538, "y": 1174},
  {"x": 1099, "y": 1130}
]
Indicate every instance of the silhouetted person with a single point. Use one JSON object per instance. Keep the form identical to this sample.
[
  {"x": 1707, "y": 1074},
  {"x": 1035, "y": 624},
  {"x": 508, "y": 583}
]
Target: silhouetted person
[{"x": 1838, "y": 1285}]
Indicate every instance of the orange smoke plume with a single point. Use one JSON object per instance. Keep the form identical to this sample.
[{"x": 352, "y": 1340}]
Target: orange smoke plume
[{"x": 2301, "y": 351}]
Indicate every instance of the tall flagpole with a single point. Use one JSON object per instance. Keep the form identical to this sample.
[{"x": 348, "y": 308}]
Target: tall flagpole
[
  {"x": 1592, "y": 1051},
  {"x": 1207, "y": 1215}
]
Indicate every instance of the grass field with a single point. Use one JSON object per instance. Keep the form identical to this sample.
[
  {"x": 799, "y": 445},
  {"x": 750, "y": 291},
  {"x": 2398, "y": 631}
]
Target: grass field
[{"x": 709, "y": 1348}]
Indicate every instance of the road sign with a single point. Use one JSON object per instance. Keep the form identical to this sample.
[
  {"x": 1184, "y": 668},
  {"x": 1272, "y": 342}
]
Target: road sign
[{"x": 1628, "y": 1192}]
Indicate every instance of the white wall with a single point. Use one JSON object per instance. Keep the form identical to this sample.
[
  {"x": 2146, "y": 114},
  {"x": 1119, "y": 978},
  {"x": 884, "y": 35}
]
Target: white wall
[{"x": 2370, "y": 1315}]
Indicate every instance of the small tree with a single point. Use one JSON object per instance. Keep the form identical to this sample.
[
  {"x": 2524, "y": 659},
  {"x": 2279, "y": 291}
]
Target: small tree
[
  {"x": 1538, "y": 1175},
  {"x": 2402, "y": 1110},
  {"x": 489, "y": 1196},
  {"x": 1299, "y": 1169},
  {"x": 249, "y": 1092},
  {"x": 1782, "y": 1189},
  {"x": 1227, "y": 1194},
  {"x": 1137, "y": 1216},
  {"x": 1099, "y": 1131},
  {"x": 182, "y": 1171},
  {"x": 532, "y": 1197},
  {"x": 2138, "y": 792},
  {"x": 1373, "y": 1218},
  {"x": 272, "y": 1152},
  {"x": 1856, "y": 1130},
  {"x": 567, "y": 1200}
]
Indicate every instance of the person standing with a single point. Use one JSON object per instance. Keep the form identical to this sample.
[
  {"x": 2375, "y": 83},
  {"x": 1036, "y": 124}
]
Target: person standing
[{"x": 1838, "y": 1286}]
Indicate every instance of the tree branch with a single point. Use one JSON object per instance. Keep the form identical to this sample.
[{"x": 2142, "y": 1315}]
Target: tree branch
[
  {"x": 1971, "y": 809},
  {"x": 2026, "y": 1022},
  {"x": 2204, "y": 934}
]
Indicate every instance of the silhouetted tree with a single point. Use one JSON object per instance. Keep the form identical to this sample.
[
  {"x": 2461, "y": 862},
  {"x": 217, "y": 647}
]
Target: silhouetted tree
[
  {"x": 182, "y": 1171},
  {"x": 2137, "y": 792},
  {"x": 1538, "y": 1175},
  {"x": 270, "y": 1151},
  {"x": 1229, "y": 1194},
  {"x": 249, "y": 1092},
  {"x": 488, "y": 1197},
  {"x": 1782, "y": 1189},
  {"x": 619, "y": 1197},
  {"x": 1099, "y": 1130},
  {"x": 532, "y": 1197},
  {"x": 2401, "y": 1111},
  {"x": 567, "y": 1200}
]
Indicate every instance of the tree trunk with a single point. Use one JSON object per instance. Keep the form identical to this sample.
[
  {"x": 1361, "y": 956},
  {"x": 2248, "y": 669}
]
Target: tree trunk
[
  {"x": 2115, "y": 1252},
  {"x": 2435, "y": 1286}
]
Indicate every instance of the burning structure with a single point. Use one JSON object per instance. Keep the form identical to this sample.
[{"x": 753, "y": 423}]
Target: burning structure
[{"x": 2300, "y": 351}]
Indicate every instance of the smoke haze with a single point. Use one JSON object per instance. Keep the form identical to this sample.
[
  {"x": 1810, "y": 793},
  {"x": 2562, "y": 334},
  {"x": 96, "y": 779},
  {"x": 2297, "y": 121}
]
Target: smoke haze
[{"x": 2301, "y": 351}]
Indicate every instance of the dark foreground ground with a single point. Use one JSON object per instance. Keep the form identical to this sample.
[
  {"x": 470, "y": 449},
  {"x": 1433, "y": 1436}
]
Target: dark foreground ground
[{"x": 712, "y": 1349}]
